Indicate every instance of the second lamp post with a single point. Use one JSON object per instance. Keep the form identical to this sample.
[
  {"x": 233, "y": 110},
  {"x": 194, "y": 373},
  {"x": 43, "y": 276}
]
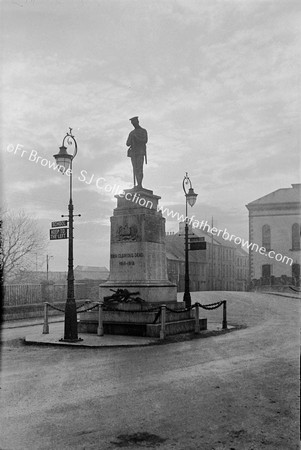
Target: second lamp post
[{"x": 190, "y": 199}]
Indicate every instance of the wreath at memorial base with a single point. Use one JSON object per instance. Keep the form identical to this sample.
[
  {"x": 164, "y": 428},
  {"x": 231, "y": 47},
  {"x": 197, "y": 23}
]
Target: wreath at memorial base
[{"x": 123, "y": 296}]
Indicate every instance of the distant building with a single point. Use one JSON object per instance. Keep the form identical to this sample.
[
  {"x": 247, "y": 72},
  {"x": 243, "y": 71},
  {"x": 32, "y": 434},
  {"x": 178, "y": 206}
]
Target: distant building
[
  {"x": 222, "y": 266},
  {"x": 176, "y": 265},
  {"x": 274, "y": 223}
]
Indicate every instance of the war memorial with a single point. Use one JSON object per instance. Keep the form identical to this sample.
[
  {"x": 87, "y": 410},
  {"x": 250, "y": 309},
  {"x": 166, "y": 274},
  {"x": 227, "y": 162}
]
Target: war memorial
[{"x": 138, "y": 283}]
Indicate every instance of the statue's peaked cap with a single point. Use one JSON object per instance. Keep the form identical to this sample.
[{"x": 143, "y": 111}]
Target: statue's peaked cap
[{"x": 134, "y": 118}]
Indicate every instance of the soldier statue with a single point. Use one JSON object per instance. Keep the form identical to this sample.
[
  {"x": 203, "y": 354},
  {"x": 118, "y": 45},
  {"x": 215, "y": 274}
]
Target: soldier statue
[{"x": 137, "y": 150}]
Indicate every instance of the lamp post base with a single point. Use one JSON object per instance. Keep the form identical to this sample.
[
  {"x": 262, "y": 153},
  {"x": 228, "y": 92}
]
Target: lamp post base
[
  {"x": 71, "y": 340},
  {"x": 187, "y": 299},
  {"x": 70, "y": 328}
]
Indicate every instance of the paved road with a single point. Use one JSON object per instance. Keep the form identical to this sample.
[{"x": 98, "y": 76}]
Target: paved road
[{"x": 234, "y": 391}]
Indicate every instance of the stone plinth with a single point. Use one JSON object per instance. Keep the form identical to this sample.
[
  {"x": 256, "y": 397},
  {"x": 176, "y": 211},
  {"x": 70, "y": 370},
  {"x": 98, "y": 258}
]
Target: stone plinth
[
  {"x": 129, "y": 321},
  {"x": 137, "y": 249}
]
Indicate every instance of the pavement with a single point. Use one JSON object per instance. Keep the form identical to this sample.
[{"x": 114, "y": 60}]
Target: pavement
[
  {"x": 31, "y": 331},
  {"x": 56, "y": 332},
  {"x": 22, "y": 323},
  {"x": 286, "y": 294}
]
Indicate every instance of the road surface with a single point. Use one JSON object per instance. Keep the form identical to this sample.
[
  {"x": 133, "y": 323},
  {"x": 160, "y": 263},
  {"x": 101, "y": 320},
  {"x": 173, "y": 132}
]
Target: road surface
[{"x": 237, "y": 391}]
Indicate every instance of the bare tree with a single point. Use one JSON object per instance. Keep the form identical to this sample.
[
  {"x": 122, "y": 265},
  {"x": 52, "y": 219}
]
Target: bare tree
[{"x": 22, "y": 240}]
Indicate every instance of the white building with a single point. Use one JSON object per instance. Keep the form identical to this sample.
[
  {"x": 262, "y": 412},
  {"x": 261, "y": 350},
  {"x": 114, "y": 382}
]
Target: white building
[{"x": 274, "y": 223}]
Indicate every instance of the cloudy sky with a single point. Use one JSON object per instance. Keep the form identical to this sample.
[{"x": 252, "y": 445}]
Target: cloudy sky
[{"x": 215, "y": 83}]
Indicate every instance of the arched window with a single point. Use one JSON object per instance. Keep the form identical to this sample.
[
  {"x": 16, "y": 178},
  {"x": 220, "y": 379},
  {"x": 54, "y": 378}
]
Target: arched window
[
  {"x": 266, "y": 237},
  {"x": 296, "y": 236}
]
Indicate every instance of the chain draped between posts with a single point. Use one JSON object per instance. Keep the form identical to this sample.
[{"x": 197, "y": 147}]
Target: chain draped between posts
[
  {"x": 212, "y": 305},
  {"x": 209, "y": 307},
  {"x": 78, "y": 307},
  {"x": 160, "y": 310},
  {"x": 87, "y": 309},
  {"x": 54, "y": 307}
]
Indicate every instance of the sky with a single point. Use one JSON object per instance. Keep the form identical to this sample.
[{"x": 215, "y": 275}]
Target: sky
[{"x": 215, "y": 83}]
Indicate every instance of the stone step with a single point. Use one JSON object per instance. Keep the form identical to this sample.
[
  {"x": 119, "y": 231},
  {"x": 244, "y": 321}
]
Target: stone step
[
  {"x": 142, "y": 329},
  {"x": 177, "y": 327},
  {"x": 133, "y": 317}
]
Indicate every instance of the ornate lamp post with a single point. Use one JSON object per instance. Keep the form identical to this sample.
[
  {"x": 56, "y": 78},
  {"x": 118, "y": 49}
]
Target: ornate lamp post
[
  {"x": 190, "y": 199},
  {"x": 64, "y": 159}
]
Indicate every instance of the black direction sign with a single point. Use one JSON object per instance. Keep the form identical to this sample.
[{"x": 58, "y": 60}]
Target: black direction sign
[
  {"x": 58, "y": 233},
  {"x": 198, "y": 245},
  {"x": 60, "y": 223}
]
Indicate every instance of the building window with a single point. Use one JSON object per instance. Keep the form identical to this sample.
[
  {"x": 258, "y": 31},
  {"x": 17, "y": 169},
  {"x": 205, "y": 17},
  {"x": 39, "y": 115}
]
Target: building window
[
  {"x": 296, "y": 270},
  {"x": 266, "y": 270},
  {"x": 296, "y": 236},
  {"x": 296, "y": 274},
  {"x": 266, "y": 237}
]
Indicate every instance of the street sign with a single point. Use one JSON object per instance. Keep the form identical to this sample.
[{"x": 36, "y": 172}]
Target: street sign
[
  {"x": 198, "y": 245},
  {"x": 196, "y": 239},
  {"x": 60, "y": 223},
  {"x": 58, "y": 233}
]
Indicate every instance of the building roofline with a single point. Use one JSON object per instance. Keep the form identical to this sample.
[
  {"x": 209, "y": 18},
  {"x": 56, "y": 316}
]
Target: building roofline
[{"x": 287, "y": 197}]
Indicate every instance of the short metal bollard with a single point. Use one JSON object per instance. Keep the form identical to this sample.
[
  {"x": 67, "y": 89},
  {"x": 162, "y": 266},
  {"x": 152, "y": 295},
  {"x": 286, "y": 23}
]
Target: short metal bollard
[
  {"x": 45, "y": 325},
  {"x": 224, "y": 315},
  {"x": 100, "y": 321},
  {"x": 163, "y": 322},
  {"x": 197, "y": 319}
]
